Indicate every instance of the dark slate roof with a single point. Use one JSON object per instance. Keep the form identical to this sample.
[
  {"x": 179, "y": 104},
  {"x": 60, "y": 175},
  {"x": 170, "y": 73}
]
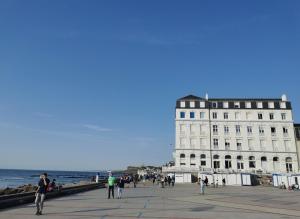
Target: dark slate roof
[
  {"x": 253, "y": 101},
  {"x": 191, "y": 97},
  {"x": 297, "y": 125}
]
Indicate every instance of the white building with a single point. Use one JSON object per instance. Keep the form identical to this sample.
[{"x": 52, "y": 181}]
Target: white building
[{"x": 234, "y": 135}]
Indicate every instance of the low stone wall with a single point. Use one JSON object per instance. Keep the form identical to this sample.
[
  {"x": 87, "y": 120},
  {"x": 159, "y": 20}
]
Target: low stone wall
[{"x": 7, "y": 201}]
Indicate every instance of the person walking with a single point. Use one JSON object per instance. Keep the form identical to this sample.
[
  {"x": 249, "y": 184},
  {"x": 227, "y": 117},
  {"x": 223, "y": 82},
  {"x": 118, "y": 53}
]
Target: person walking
[
  {"x": 206, "y": 181},
  {"x": 201, "y": 183},
  {"x": 169, "y": 181},
  {"x": 224, "y": 182},
  {"x": 111, "y": 185},
  {"x": 121, "y": 187},
  {"x": 40, "y": 194}
]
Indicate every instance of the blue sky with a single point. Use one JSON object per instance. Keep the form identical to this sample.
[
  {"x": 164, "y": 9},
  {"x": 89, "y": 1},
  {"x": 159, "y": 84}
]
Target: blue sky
[{"x": 87, "y": 85}]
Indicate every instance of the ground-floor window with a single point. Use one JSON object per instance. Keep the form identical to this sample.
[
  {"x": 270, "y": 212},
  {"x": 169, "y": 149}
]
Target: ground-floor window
[
  {"x": 202, "y": 160},
  {"x": 251, "y": 162},
  {"x": 216, "y": 161},
  {"x": 227, "y": 162},
  {"x": 289, "y": 164},
  {"x": 240, "y": 164}
]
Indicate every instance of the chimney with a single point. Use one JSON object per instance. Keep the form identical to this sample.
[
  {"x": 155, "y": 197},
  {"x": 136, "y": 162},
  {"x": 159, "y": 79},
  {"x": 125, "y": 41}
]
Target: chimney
[
  {"x": 284, "y": 98},
  {"x": 206, "y": 96}
]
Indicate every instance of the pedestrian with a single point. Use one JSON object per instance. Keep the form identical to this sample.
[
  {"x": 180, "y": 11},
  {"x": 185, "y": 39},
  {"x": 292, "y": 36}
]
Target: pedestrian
[
  {"x": 224, "y": 182},
  {"x": 173, "y": 180},
  {"x": 121, "y": 187},
  {"x": 206, "y": 181},
  {"x": 201, "y": 183},
  {"x": 40, "y": 194},
  {"x": 169, "y": 180},
  {"x": 97, "y": 177},
  {"x": 111, "y": 185},
  {"x": 153, "y": 180}
]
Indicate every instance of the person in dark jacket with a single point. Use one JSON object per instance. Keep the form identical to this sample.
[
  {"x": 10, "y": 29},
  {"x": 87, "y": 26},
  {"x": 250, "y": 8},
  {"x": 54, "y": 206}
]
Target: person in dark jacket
[{"x": 120, "y": 187}]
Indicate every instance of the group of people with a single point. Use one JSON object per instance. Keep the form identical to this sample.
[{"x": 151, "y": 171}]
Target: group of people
[{"x": 111, "y": 186}]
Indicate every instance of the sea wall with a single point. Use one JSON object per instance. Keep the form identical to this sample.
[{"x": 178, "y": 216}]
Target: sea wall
[{"x": 7, "y": 201}]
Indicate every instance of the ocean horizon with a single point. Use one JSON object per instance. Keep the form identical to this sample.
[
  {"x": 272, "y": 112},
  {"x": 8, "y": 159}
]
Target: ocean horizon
[{"x": 13, "y": 178}]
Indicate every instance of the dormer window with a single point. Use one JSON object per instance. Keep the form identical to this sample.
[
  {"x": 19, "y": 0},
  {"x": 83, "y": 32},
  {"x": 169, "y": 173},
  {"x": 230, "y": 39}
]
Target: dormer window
[
  {"x": 202, "y": 104},
  {"x": 271, "y": 105},
  {"x": 225, "y": 104},
  {"x": 182, "y": 104},
  {"x": 214, "y": 105},
  {"x": 248, "y": 105},
  {"x": 236, "y": 104},
  {"x": 259, "y": 105},
  {"x": 192, "y": 104},
  {"x": 282, "y": 105}
]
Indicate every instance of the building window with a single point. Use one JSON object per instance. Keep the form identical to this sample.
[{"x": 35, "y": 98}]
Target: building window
[
  {"x": 192, "y": 160},
  {"x": 202, "y": 160},
  {"x": 271, "y": 116},
  {"x": 285, "y": 131},
  {"x": 182, "y": 115},
  {"x": 214, "y": 115},
  {"x": 215, "y": 129},
  {"x": 214, "y": 105},
  {"x": 225, "y": 115},
  {"x": 216, "y": 143},
  {"x": 226, "y": 129},
  {"x": 273, "y": 131},
  {"x": 202, "y": 104},
  {"x": 263, "y": 162},
  {"x": 227, "y": 162},
  {"x": 225, "y": 105},
  {"x": 239, "y": 145},
  {"x": 248, "y": 105},
  {"x": 182, "y": 159},
  {"x": 271, "y": 105},
  {"x": 282, "y": 105},
  {"x": 192, "y": 115},
  {"x": 236, "y": 105},
  {"x": 192, "y": 104},
  {"x": 249, "y": 130},
  {"x": 216, "y": 162},
  {"x": 202, "y": 115},
  {"x": 182, "y": 104},
  {"x": 283, "y": 116},
  {"x": 276, "y": 163},
  {"x": 240, "y": 163},
  {"x": 259, "y": 105},
  {"x": 251, "y": 162},
  {"x": 289, "y": 164},
  {"x": 260, "y": 116},
  {"x": 227, "y": 145},
  {"x": 238, "y": 129},
  {"x": 261, "y": 130}
]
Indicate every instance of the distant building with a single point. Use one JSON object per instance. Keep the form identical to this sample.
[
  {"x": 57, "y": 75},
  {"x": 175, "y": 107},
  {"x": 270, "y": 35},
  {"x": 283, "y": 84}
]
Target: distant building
[
  {"x": 234, "y": 135},
  {"x": 297, "y": 136}
]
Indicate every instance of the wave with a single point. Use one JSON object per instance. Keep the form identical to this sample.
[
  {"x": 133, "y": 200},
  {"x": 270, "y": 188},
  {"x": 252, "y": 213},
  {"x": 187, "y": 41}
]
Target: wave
[{"x": 11, "y": 178}]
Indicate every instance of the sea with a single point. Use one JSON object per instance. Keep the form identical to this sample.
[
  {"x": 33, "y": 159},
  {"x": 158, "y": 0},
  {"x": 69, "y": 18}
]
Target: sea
[{"x": 10, "y": 178}]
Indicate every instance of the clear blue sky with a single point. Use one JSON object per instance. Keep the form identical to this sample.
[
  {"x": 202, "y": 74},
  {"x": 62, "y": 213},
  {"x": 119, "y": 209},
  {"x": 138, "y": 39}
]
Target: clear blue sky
[{"x": 88, "y": 85}]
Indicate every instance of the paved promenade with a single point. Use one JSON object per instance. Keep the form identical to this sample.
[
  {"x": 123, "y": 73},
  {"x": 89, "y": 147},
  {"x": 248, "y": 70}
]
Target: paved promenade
[{"x": 182, "y": 201}]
